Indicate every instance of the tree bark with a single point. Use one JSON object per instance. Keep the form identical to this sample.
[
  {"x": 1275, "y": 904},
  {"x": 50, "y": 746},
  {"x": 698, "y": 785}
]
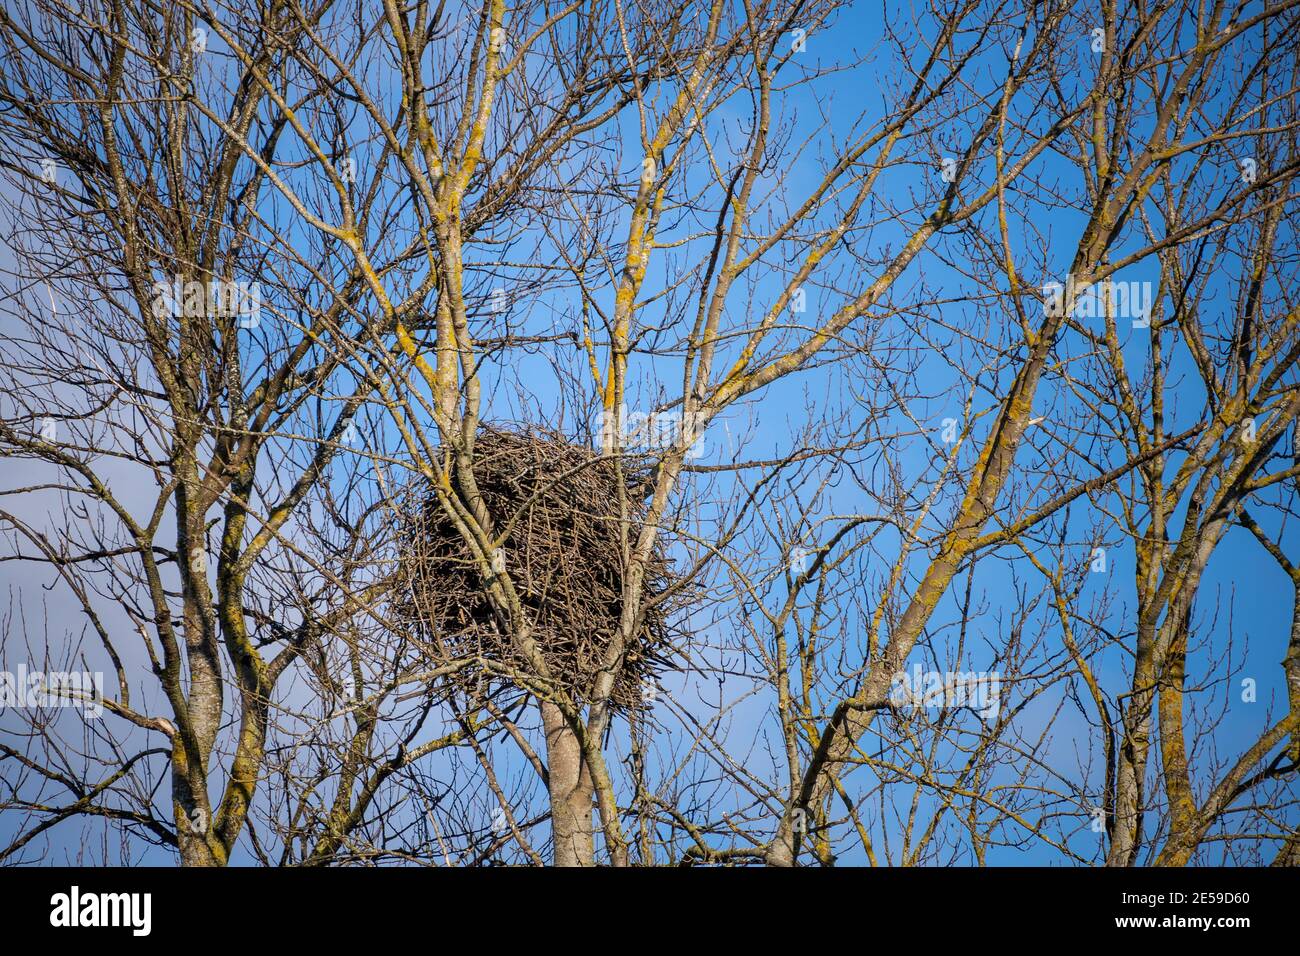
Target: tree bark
[{"x": 571, "y": 791}]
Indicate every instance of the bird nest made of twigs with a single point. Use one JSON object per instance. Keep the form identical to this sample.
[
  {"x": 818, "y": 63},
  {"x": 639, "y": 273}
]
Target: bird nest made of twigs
[{"x": 564, "y": 555}]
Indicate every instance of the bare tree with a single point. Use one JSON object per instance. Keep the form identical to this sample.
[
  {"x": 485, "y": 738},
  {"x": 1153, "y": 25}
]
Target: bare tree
[{"x": 883, "y": 377}]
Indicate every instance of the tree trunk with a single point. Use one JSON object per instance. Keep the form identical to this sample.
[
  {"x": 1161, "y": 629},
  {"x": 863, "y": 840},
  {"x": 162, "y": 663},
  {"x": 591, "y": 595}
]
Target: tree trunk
[{"x": 570, "y": 790}]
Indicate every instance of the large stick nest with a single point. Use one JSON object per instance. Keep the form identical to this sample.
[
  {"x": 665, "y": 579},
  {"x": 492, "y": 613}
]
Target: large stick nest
[{"x": 564, "y": 556}]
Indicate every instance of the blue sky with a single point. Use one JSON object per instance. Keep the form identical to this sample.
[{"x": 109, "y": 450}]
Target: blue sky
[{"x": 1244, "y": 601}]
